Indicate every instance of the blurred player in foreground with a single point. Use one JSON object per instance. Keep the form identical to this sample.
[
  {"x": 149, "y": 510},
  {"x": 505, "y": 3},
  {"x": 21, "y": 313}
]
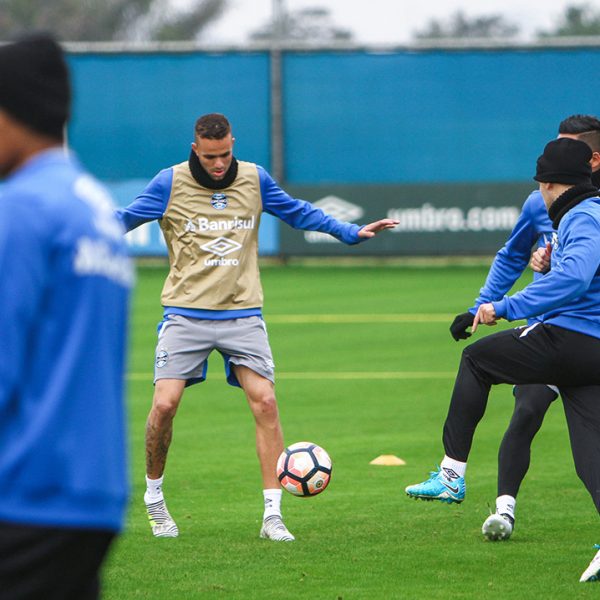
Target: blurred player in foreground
[
  {"x": 65, "y": 279},
  {"x": 533, "y": 228},
  {"x": 209, "y": 209},
  {"x": 562, "y": 349}
]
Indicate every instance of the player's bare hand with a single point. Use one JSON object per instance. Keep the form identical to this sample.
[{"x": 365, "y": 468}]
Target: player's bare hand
[
  {"x": 540, "y": 259},
  {"x": 372, "y": 229},
  {"x": 485, "y": 315}
]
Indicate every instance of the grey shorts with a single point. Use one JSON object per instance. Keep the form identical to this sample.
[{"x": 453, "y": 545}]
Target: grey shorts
[{"x": 185, "y": 343}]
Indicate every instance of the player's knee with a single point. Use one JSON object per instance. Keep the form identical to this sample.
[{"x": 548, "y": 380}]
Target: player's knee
[
  {"x": 167, "y": 396},
  {"x": 165, "y": 406},
  {"x": 264, "y": 404},
  {"x": 526, "y": 417}
]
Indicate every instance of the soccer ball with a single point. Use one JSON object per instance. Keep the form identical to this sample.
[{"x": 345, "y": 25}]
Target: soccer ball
[{"x": 304, "y": 469}]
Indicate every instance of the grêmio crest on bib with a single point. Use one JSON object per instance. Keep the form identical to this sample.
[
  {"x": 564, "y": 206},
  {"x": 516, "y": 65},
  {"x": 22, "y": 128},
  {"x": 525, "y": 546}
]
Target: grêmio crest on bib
[{"x": 219, "y": 200}]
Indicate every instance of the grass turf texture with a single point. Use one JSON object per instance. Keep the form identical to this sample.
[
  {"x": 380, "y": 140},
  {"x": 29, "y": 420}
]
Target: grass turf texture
[{"x": 367, "y": 369}]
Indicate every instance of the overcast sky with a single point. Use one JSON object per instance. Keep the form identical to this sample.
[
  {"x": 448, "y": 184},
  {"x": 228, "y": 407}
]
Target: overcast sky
[{"x": 389, "y": 21}]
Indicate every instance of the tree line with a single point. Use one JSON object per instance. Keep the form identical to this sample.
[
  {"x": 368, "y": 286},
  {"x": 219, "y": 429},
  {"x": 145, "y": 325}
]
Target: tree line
[{"x": 163, "y": 20}]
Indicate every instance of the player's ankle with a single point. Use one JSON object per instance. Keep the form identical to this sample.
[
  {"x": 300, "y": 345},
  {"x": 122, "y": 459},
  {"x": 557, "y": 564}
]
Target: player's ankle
[{"x": 505, "y": 505}]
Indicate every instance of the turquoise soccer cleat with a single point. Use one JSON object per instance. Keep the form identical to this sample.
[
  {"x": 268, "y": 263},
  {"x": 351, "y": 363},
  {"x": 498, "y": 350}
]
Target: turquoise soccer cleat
[{"x": 439, "y": 487}]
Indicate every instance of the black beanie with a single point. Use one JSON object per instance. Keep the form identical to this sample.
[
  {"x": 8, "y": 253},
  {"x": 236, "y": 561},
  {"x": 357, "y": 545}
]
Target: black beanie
[
  {"x": 34, "y": 84},
  {"x": 565, "y": 160}
]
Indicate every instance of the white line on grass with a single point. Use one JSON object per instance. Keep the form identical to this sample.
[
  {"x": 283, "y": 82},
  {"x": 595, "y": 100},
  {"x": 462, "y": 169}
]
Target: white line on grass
[
  {"x": 339, "y": 375},
  {"x": 364, "y": 375},
  {"x": 360, "y": 318}
]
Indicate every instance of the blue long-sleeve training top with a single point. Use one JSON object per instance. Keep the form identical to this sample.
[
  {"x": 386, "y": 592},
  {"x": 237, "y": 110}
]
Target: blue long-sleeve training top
[
  {"x": 533, "y": 227},
  {"x": 151, "y": 204},
  {"x": 220, "y": 286},
  {"x": 65, "y": 277},
  {"x": 569, "y": 294}
]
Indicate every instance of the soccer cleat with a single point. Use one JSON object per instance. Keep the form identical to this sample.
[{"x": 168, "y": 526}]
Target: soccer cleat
[
  {"x": 437, "y": 487},
  {"x": 274, "y": 529},
  {"x": 592, "y": 573},
  {"x": 498, "y": 527},
  {"x": 160, "y": 520}
]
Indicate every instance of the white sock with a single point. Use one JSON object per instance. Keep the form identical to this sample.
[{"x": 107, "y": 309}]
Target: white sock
[
  {"x": 272, "y": 503},
  {"x": 453, "y": 469},
  {"x": 153, "y": 490},
  {"x": 506, "y": 505}
]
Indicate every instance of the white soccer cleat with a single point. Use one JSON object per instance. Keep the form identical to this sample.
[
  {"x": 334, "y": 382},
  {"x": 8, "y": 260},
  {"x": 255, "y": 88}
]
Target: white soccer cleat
[
  {"x": 592, "y": 573},
  {"x": 160, "y": 520},
  {"x": 274, "y": 529},
  {"x": 497, "y": 527}
]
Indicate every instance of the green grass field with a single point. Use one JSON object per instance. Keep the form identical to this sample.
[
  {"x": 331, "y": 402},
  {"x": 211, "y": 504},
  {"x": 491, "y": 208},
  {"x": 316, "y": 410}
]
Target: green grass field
[{"x": 365, "y": 366}]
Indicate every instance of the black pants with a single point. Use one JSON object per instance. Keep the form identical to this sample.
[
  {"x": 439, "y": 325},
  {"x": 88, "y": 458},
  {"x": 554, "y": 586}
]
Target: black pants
[
  {"x": 541, "y": 354},
  {"x": 47, "y": 563},
  {"x": 531, "y": 404}
]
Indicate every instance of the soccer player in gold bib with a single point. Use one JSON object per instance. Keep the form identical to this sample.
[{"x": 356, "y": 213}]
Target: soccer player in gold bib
[{"x": 209, "y": 209}]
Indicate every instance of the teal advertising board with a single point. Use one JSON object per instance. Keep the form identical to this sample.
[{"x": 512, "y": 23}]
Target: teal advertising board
[{"x": 449, "y": 219}]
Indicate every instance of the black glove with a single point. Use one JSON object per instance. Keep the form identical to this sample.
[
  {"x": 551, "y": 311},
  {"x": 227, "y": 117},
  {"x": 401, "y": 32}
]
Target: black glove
[{"x": 458, "y": 329}]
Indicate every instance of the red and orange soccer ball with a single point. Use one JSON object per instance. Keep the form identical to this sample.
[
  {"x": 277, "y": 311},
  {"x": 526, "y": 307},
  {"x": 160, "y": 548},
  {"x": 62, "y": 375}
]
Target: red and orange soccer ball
[{"x": 304, "y": 469}]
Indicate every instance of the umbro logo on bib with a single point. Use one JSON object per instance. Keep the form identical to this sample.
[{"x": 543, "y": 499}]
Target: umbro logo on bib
[{"x": 221, "y": 246}]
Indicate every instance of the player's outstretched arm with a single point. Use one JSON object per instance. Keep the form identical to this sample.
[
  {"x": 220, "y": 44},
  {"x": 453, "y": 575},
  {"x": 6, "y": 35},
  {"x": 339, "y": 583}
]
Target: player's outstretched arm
[{"x": 372, "y": 229}]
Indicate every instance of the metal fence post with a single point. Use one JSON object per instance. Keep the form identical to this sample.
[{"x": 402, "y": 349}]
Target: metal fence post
[{"x": 276, "y": 92}]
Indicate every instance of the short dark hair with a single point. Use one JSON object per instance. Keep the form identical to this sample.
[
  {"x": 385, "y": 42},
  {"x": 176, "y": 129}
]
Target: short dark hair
[
  {"x": 585, "y": 127},
  {"x": 213, "y": 126}
]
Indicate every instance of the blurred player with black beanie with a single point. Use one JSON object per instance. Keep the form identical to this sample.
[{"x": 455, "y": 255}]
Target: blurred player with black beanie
[{"x": 65, "y": 278}]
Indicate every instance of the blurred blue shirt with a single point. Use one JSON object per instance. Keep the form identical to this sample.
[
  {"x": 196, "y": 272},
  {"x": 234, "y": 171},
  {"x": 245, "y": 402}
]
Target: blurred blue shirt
[{"x": 64, "y": 278}]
